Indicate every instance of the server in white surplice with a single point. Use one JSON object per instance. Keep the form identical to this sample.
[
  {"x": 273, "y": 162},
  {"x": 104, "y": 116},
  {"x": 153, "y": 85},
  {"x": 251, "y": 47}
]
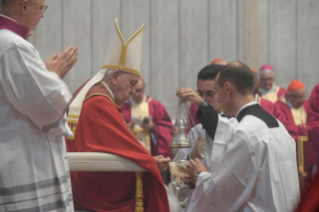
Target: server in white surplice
[{"x": 258, "y": 170}]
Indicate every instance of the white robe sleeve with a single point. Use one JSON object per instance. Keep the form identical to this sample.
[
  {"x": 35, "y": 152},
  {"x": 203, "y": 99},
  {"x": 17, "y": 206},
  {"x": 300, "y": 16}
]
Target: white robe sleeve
[
  {"x": 34, "y": 91},
  {"x": 231, "y": 181}
]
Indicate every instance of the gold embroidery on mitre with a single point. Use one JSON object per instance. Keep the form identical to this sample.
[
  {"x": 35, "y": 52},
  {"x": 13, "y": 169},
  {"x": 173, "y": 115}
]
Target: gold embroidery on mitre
[{"x": 122, "y": 60}]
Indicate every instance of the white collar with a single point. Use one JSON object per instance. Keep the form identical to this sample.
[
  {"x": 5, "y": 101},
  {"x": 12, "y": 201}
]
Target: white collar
[
  {"x": 9, "y": 18},
  {"x": 271, "y": 90},
  {"x": 107, "y": 87},
  {"x": 246, "y": 105},
  {"x": 133, "y": 102}
]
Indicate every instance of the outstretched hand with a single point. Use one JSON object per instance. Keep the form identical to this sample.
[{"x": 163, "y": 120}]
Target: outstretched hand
[
  {"x": 162, "y": 162},
  {"x": 188, "y": 95},
  {"x": 61, "y": 64}
]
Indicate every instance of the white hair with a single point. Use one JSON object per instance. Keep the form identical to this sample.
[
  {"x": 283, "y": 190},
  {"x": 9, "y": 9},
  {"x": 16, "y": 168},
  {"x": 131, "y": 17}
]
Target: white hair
[{"x": 109, "y": 72}]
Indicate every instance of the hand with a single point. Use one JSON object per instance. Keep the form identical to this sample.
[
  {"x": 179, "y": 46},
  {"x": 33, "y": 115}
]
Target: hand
[
  {"x": 193, "y": 167},
  {"x": 148, "y": 126},
  {"x": 188, "y": 95},
  {"x": 162, "y": 162},
  {"x": 61, "y": 64}
]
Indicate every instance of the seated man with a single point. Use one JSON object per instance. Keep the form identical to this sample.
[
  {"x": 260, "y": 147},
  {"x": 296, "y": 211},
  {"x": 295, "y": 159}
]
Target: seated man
[
  {"x": 268, "y": 89},
  {"x": 98, "y": 125},
  {"x": 264, "y": 103},
  {"x": 294, "y": 107},
  {"x": 157, "y": 131},
  {"x": 312, "y": 150}
]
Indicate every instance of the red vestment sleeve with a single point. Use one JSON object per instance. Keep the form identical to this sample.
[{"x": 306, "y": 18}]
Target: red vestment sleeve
[
  {"x": 163, "y": 127},
  {"x": 310, "y": 200},
  {"x": 312, "y": 148},
  {"x": 101, "y": 128},
  {"x": 288, "y": 121}
]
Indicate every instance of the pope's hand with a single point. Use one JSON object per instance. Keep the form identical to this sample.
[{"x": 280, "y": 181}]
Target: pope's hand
[
  {"x": 193, "y": 167},
  {"x": 61, "y": 64},
  {"x": 162, "y": 162},
  {"x": 188, "y": 95}
]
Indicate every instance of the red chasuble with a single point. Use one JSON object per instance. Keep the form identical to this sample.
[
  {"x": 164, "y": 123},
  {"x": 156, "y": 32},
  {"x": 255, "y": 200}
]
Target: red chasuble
[
  {"x": 101, "y": 128},
  {"x": 289, "y": 120},
  {"x": 313, "y": 127},
  {"x": 163, "y": 127}
]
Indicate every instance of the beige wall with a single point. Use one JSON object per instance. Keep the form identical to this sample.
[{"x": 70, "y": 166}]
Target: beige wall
[{"x": 182, "y": 36}]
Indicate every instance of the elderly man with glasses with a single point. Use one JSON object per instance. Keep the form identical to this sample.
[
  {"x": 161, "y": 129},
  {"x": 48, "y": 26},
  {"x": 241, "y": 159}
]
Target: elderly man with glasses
[
  {"x": 267, "y": 87},
  {"x": 33, "y": 101},
  {"x": 294, "y": 107}
]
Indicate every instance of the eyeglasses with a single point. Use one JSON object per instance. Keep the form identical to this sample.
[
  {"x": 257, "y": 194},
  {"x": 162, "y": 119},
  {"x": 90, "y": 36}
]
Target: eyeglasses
[
  {"x": 44, "y": 8},
  {"x": 267, "y": 79},
  {"x": 298, "y": 97},
  {"x": 209, "y": 94}
]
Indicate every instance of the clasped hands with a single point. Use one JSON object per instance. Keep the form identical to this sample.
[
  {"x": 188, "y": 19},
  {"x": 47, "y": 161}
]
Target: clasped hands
[{"x": 61, "y": 64}]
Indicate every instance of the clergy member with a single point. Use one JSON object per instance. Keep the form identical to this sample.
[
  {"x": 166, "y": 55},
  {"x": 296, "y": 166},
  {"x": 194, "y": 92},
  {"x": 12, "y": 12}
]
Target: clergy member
[
  {"x": 264, "y": 103},
  {"x": 33, "y": 97},
  {"x": 219, "y": 61},
  {"x": 294, "y": 107},
  {"x": 268, "y": 89},
  {"x": 156, "y": 130},
  {"x": 97, "y": 121},
  {"x": 312, "y": 149},
  {"x": 258, "y": 170},
  {"x": 206, "y": 90}
]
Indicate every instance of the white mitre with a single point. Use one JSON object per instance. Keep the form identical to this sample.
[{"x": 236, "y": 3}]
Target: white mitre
[{"x": 121, "y": 55}]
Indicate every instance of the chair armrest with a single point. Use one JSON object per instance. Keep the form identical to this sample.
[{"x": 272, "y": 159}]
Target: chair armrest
[{"x": 105, "y": 162}]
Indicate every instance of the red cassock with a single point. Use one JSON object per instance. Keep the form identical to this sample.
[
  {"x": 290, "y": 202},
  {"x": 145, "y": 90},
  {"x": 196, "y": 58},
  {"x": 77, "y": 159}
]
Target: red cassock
[
  {"x": 163, "y": 127},
  {"x": 310, "y": 200},
  {"x": 288, "y": 120},
  {"x": 312, "y": 148},
  {"x": 101, "y": 128}
]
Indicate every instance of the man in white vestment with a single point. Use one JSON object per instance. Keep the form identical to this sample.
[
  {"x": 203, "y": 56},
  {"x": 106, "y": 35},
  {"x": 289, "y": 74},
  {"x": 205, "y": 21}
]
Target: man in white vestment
[
  {"x": 34, "y": 173},
  {"x": 257, "y": 170},
  {"x": 206, "y": 90}
]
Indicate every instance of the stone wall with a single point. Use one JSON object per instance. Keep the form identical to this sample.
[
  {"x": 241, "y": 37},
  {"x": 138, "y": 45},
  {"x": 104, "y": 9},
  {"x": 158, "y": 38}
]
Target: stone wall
[{"x": 182, "y": 36}]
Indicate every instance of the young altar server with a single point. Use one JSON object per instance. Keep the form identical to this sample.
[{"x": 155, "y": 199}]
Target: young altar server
[
  {"x": 206, "y": 90},
  {"x": 258, "y": 169}
]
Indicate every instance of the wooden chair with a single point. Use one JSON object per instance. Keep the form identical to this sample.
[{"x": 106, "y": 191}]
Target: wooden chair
[{"x": 105, "y": 162}]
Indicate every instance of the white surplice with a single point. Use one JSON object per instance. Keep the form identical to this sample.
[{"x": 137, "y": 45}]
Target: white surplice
[
  {"x": 256, "y": 172},
  {"x": 34, "y": 172},
  {"x": 214, "y": 149}
]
